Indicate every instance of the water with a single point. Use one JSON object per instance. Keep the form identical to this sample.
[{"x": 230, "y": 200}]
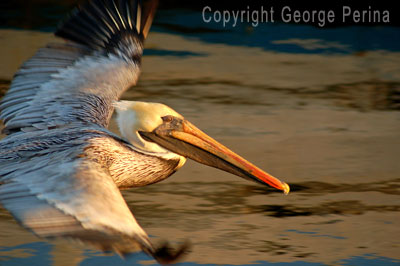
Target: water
[{"x": 319, "y": 109}]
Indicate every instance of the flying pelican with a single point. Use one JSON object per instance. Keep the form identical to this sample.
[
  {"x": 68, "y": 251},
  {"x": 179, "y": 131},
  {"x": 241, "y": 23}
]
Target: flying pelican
[{"x": 61, "y": 168}]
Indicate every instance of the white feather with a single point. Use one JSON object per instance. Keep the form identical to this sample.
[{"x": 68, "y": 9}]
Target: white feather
[{"x": 134, "y": 116}]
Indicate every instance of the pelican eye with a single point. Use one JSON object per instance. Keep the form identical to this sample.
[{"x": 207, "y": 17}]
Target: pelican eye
[{"x": 167, "y": 118}]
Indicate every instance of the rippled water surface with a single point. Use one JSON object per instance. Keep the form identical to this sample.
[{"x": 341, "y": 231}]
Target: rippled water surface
[{"x": 316, "y": 108}]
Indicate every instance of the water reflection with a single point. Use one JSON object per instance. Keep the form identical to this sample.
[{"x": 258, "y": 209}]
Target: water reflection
[
  {"x": 232, "y": 199},
  {"x": 318, "y": 188},
  {"x": 315, "y": 108},
  {"x": 352, "y": 207}
]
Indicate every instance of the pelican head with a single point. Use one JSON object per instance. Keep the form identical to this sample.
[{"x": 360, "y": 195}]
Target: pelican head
[{"x": 158, "y": 129}]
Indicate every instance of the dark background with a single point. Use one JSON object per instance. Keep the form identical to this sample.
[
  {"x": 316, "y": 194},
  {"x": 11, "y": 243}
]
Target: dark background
[{"x": 36, "y": 13}]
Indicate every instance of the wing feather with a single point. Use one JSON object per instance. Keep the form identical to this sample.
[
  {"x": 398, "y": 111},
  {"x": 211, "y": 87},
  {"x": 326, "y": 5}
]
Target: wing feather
[
  {"x": 51, "y": 188},
  {"x": 58, "y": 101},
  {"x": 55, "y": 189},
  {"x": 78, "y": 81}
]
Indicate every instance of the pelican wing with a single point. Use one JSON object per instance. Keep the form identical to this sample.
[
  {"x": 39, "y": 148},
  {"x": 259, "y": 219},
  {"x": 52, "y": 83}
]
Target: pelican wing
[
  {"x": 55, "y": 111},
  {"x": 57, "y": 184},
  {"x": 78, "y": 80},
  {"x": 52, "y": 187}
]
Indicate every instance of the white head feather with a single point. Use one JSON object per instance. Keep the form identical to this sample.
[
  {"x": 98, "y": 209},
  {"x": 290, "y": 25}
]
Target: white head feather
[{"x": 134, "y": 116}]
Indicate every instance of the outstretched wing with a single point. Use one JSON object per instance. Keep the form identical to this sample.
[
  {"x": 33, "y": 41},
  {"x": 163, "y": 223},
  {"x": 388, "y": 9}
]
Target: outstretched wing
[
  {"x": 55, "y": 189},
  {"x": 77, "y": 81},
  {"x": 59, "y": 101}
]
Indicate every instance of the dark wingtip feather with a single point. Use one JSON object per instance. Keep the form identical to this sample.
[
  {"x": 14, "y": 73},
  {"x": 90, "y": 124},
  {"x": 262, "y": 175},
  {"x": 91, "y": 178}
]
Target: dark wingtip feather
[
  {"x": 113, "y": 26},
  {"x": 165, "y": 254}
]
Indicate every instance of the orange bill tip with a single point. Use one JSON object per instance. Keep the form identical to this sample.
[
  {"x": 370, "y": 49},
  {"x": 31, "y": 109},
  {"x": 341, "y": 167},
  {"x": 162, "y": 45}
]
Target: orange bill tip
[{"x": 286, "y": 188}]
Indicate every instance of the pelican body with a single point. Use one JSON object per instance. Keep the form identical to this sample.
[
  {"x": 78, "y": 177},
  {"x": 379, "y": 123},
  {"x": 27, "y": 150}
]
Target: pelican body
[{"x": 61, "y": 169}]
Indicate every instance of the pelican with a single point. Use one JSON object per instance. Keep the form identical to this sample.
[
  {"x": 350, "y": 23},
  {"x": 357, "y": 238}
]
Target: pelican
[{"x": 61, "y": 169}]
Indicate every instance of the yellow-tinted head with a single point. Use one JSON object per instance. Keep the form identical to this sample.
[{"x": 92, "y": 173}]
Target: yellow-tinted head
[{"x": 134, "y": 116}]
